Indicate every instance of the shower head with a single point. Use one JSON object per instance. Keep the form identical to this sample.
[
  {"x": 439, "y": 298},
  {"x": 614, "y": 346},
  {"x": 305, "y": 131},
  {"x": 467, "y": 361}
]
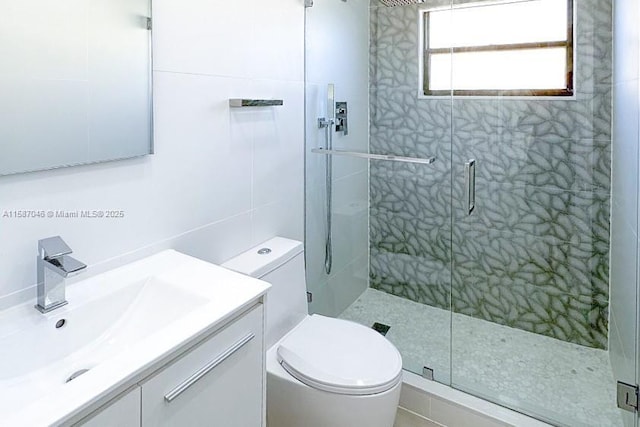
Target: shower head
[{"x": 393, "y": 3}]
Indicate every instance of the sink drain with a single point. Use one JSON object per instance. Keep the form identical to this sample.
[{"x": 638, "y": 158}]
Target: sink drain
[{"x": 76, "y": 374}]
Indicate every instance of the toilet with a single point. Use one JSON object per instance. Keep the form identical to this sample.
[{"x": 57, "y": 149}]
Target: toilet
[{"x": 321, "y": 371}]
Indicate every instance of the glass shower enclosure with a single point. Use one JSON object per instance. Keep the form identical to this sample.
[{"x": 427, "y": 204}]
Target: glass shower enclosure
[{"x": 458, "y": 195}]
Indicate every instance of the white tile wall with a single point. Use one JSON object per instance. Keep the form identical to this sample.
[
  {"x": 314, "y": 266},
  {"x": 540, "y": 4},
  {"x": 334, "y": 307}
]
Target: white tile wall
[{"x": 221, "y": 180}]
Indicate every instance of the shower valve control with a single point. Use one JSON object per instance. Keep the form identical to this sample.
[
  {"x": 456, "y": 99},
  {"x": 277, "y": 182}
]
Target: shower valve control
[{"x": 341, "y": 118}]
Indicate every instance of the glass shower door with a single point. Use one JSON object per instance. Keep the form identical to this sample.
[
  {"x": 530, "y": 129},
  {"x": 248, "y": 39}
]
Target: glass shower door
[
  {"x": 410, "y": 204},
  {"x": 531, "y": 212}
]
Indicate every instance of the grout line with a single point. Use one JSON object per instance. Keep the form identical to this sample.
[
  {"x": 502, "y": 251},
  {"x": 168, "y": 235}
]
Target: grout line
[
  {"x": 227, "y": 76},
  {"x": 423, "y": 419}
]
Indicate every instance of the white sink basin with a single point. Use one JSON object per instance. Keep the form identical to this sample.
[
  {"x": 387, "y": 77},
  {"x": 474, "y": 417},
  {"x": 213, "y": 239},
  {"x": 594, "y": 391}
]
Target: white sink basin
[{"x": 116, "y": 325}]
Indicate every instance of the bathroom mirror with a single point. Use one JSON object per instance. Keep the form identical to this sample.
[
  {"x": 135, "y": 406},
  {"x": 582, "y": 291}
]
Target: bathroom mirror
[{"x": 75, "y": 82}]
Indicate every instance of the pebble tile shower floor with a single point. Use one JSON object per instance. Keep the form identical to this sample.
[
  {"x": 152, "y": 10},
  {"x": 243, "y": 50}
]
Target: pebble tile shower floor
[{"x": 567, "y": 383}]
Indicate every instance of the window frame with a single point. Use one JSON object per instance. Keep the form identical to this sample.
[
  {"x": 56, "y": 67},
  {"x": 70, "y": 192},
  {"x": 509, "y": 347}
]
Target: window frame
[{"x": 568, "y": 44}]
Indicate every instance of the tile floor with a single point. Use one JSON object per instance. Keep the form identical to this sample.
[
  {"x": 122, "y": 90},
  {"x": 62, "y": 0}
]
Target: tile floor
[
  {"x": 559, "y": 382},
  {"x": 406, "y": 418}
]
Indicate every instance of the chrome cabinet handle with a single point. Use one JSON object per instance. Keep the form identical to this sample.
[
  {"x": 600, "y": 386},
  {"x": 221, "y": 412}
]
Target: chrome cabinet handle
[
  {"x": 169, "y": 397},
  {"x": 470, "y": 185}
]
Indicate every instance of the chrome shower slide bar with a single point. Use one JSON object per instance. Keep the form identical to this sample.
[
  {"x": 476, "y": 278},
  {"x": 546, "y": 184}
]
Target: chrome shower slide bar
[{"x": 370, "y": 156}]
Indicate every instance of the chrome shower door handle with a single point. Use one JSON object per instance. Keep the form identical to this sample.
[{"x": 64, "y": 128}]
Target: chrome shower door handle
[{"x": 470, "y": 185}]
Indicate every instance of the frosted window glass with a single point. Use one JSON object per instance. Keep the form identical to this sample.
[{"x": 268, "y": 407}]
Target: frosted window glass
[
  {"x": 500, "y": 70},
  {"x": 482, "y": 25}
]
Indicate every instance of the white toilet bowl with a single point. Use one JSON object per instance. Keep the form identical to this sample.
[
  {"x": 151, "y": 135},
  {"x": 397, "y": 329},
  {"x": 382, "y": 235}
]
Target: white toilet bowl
[
  {"x": 332, "y": 373},
  {"x": 321, "y": 371}
]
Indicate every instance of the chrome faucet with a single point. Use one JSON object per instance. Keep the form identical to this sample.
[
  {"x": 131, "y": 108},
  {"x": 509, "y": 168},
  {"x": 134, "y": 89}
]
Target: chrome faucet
[{"x": 54, "y": 266}]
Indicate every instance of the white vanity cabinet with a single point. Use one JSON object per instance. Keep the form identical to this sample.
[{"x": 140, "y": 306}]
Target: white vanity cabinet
[
  {"x": 165, "y": 340},
  {"x": 218, "y": 383},
  {"x": 123, "y": 412}
]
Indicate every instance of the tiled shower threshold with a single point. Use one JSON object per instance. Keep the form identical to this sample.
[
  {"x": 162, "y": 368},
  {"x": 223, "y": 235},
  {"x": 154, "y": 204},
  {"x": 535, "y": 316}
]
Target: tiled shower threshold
[{"x": 559, "y": 382}]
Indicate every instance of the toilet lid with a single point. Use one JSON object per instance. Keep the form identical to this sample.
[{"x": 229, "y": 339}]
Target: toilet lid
[{"x": 339, "y": 356}]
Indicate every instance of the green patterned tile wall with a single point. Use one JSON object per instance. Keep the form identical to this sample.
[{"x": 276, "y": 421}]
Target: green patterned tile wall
[{"x": 535, "y": 254}]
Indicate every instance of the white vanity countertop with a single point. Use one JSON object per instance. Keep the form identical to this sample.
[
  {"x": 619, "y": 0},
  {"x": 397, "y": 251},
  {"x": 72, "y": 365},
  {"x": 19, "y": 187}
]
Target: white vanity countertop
[{"x": 119, "y": 325}]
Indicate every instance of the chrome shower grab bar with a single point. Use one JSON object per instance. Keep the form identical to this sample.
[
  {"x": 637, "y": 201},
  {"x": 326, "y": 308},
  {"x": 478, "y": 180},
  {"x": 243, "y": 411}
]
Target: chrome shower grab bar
[{"x": 370, "y": 156}]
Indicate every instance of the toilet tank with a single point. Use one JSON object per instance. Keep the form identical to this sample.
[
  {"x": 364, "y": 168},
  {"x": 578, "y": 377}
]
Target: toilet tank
[{"x": 280, "y": 262}]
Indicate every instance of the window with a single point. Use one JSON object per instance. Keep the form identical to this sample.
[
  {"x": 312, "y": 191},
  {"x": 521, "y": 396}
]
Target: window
[{"x": 523, "y": 47}]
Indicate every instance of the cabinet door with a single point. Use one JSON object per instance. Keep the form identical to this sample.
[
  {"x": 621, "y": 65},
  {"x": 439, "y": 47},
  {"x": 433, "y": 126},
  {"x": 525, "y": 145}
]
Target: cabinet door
[
  {"x": 123, "y": 412},
  {"x": 219, "y": 383}
]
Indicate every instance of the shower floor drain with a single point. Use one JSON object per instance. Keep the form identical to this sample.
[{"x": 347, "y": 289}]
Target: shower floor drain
[
  {"x": 381, "y": 327},
  {"x": 76, "y": 374}
]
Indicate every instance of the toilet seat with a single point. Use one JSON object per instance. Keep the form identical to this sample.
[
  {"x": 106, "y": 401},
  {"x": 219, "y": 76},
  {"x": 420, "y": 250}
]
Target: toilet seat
[{"x": 341, "y": 357}]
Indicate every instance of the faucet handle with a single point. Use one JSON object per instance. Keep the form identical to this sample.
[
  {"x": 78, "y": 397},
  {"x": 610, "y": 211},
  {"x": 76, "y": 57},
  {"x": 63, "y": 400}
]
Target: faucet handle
[{"x": 53, "y": 247}]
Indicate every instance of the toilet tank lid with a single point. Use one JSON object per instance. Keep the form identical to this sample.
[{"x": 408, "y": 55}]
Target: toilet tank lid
[{"x": 265, "y": 257}]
